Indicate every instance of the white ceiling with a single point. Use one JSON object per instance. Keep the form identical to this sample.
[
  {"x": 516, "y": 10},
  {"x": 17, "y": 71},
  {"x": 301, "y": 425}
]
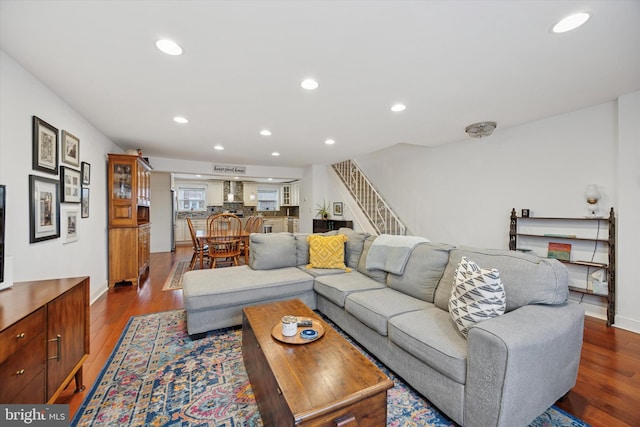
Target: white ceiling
[{"x": 451, "y": 62}]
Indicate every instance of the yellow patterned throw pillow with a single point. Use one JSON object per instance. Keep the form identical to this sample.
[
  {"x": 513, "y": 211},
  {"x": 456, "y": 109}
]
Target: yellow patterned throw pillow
[{"x": 327, "y": 251}]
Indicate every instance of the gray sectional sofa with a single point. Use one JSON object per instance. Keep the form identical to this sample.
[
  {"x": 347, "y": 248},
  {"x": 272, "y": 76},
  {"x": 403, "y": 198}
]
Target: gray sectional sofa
[{"x": 505, "y": 372}]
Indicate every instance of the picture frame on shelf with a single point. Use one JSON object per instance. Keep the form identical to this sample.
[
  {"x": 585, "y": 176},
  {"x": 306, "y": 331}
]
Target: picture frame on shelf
[
  {"x": 337, "y": 208},
  {"x": 86, "y": 173},
  {"x": 45, "y": 147},
  {"x": 70, "y": 149},
  {"x": 70, "y": 180},
  {"x": 84, "y": 205},
  {"x": 44, "y": 208},
  {"x": 525, "y": 213},
  {"x": 70, "y": 216}
]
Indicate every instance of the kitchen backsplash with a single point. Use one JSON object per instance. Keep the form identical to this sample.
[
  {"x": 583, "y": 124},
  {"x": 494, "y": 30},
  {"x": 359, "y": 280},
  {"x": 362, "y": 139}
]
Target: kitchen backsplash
[{"x": 240, "y": 210}]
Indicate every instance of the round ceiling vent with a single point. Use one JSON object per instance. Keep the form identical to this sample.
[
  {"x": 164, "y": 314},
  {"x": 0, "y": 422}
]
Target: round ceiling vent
[{"x": 478, "y": 130}]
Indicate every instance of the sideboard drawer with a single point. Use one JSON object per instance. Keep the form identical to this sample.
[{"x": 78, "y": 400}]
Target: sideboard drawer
[
  {"x": 19, "y": 334},
  {"x": 19, "y": 370}
]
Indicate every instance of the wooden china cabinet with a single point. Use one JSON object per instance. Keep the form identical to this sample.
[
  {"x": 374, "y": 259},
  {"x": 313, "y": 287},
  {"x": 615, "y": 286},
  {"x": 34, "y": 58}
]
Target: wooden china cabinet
[{"x": 129, "y": 178}]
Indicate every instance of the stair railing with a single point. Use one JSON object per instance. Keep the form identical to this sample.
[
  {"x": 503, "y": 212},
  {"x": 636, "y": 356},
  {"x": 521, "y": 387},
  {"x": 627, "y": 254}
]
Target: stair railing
[{"x": 380, "y": 215}]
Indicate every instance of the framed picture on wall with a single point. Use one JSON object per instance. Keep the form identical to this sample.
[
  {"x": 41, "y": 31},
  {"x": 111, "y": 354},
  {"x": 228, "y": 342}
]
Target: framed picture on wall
[
  {"x": 85, "y": 203},
  {"x": 337, "y": 208},
  {"x": 44, "y": 208},
  {"x": 70, "y": 181},
  {"x": 86, "y": 173},
  {"x": 70, "y": 149},
  {"x": 70, "y": 216},
  {"x": 45, "y": 147}
]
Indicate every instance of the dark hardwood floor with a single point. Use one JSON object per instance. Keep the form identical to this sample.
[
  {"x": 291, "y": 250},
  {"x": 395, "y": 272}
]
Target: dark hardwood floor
[{"x": 607, "y": 393}]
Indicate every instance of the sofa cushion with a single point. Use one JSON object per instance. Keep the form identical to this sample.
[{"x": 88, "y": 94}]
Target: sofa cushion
[
  {"x": 335, "y": 288},
  {"x": 375, "y": 308},
  {"x": 272, "y": 250},
  {"x": 477, "y": 295},
  {"x": 326, "y": 251},
  {"x": 422, "y": 272},
  {"x": 527, "y": 279},
  {"x": 316, "y": 272},
  {"x": 353, "y": 248},
  {"x": 221, "y": 287},
  {"x": 378, "y": 275},
  {"x": 302, "y": 248},
  {"x": 431, "y": 337}
]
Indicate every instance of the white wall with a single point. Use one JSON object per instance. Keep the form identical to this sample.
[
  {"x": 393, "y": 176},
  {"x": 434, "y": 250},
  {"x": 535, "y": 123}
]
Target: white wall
[
  {"x": 463, "y": 193},
  {"x": 160, "y": 212},
  {"x": 21, "y": 97},
  {"x": 628, "y": 237}
]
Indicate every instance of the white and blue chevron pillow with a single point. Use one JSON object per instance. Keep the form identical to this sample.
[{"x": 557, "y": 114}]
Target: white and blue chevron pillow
[{"x": 477, "y": 295}]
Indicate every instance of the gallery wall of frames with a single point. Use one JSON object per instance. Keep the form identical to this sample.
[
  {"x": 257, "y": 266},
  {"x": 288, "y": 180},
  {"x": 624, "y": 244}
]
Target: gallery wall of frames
[{"x": 59, "y": 199}]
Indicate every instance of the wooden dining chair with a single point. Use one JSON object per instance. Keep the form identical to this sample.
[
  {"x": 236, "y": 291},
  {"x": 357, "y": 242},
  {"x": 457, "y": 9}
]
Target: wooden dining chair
[
  {"x": 210, "y": 218},
  {"x": 257, "y": 225},
  {"x": 197, "y": 247},
  {"x": 248, "y": 226},
  {"x": 224, "y": 239}
]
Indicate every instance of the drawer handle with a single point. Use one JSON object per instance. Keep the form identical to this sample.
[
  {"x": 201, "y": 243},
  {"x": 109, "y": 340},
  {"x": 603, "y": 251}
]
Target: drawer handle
[
  {"x": 58, "y": 340},
  {"x": 279, "y": 391},
  {"x": 20, "y": 335},
  {"x": 20, "y": 372}
]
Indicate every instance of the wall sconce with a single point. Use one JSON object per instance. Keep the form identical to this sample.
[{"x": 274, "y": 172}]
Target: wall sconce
[{"x": 592, "y": 195}]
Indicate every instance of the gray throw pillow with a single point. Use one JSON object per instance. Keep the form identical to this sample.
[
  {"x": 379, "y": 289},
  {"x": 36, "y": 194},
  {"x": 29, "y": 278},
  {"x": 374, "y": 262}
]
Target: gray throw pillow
[
  {"x": 354, "y": 246},
  {"x": 272, "y": 250}
]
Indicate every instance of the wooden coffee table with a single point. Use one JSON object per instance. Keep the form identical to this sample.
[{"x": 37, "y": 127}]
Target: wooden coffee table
[{"x": 326, "y": 382}]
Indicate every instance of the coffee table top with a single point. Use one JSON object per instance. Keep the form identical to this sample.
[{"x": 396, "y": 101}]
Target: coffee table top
[{"x": 317, "y": 377}]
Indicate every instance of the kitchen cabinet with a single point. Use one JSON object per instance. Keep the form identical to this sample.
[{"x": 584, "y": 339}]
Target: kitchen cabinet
[
  {"x": 44, "y": 339},
  {"x": 250, "y": 193},
  {"x": 285, "y": 195},
  {"x": 216, "y": 196},
  {"x": 128, "y": 182},
  {"x": 182, "y": 231},
  {"x": 295, "y": 194},
  {"x": 276, "y": 225}
]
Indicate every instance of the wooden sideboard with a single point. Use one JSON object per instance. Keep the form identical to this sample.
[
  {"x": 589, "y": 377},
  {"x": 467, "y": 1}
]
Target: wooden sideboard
[
  {"x": 324, "y": 225},
  {"x": 44, "y": 338}
]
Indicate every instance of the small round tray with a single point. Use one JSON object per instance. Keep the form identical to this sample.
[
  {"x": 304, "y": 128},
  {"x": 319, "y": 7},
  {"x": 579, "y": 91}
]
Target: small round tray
[{"x": 276, "y": 332}]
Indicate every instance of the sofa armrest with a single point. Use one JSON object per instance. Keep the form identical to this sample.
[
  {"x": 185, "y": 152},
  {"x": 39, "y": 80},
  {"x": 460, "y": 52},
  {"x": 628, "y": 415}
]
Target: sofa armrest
[{"x": 520, "y": 363}]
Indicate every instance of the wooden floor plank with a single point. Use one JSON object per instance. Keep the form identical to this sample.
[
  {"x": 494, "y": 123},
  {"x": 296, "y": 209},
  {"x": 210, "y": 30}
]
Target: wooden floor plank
[{"x": 607, "y": 393}]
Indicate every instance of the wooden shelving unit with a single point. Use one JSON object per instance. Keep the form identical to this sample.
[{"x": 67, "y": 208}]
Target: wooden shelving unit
[
  {"x": 129, "y": 180},
  {"x": 588, "y": 223}
]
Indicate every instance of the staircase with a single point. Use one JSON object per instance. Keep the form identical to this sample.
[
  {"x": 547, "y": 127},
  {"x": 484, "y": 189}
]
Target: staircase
[{"x": 369, "y": 200}]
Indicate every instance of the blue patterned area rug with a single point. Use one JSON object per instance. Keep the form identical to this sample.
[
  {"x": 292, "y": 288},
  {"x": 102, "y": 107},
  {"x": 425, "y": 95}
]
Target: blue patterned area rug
[{"x": 157, "y": 376}]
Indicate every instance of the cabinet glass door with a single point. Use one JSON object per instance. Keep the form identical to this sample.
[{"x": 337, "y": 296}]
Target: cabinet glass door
[{"x": 122, "y": 181}]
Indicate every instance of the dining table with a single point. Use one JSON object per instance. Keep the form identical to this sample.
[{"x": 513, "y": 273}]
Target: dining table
[{"x": 205, "y": 238}]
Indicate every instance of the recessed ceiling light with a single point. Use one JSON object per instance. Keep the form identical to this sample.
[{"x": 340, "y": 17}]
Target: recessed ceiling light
[
  {"x": 309, "y": 84},
  {"x": 275, "y": 154},
  {"x": 265, "y": 132},
  {"x": 218, "y": 147},
  {"x": 571, "y": 22},
  {"x": 181, "y": 120},
  {"x": 398, "y": 107},
  {"x": 329, "y": 142},
  {"x": 269, "y": 179},
  {"x": 169, "y": 47}
]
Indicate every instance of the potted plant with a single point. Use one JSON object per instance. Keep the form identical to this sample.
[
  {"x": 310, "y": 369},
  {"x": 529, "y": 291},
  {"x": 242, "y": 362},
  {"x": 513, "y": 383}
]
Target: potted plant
[{"x": 323, "y": 210}]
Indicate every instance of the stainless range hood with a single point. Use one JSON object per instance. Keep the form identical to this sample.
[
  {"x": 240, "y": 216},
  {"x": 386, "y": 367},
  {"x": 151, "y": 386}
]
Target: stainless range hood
[{"x": 233, "y": 195}]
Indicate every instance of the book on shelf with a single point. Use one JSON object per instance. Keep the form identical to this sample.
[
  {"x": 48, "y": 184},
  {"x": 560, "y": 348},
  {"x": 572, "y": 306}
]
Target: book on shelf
[
  {"x": 566, "y": 236},
  {"x": 560, "y": 251}
]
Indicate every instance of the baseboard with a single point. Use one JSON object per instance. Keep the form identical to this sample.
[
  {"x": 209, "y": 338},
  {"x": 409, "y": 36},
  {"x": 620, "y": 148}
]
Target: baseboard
[
  {"x": 101, "y": 290},
  {"x": 625, "y": 323}
]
